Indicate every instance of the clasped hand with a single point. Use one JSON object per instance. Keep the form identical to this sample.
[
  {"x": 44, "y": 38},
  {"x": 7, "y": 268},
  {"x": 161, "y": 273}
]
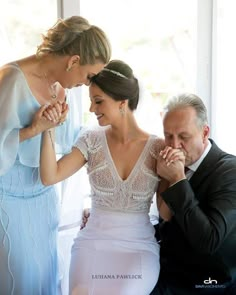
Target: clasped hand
[
  {"x": 170, "y": 164},
  {"x": 49, "y": 116},
  {"x": 56, "y": 113}
]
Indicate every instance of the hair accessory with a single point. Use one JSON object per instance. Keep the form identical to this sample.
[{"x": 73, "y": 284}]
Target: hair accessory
[{"x": 115, "y": 73}]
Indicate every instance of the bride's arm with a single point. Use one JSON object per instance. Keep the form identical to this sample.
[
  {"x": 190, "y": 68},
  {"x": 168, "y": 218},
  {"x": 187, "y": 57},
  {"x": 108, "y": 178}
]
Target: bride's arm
[{"x": 51, "y": 170}]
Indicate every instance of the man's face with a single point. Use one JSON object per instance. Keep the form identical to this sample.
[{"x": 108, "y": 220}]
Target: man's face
[{"x": 182, "y": 131}]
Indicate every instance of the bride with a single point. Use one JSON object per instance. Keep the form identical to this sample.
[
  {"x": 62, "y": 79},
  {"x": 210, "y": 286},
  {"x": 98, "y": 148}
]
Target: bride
[{"x": 116, "y": 253}]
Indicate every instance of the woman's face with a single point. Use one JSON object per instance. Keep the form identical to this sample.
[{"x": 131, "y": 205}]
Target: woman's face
[
  {"x": 80, "y": 75},
  {"x": 106, "y": 109}
]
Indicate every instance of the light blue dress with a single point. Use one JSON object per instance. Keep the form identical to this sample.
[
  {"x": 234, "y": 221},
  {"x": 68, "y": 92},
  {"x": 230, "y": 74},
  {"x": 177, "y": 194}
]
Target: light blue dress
[{"x": 29, "y": 211}]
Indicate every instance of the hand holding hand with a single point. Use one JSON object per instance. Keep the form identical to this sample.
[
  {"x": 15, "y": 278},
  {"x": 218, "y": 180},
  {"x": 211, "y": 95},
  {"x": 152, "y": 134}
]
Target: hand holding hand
[
  {"x": 171, "y": 155},
  {"x": 40, "y": 123},
  {"x": 170, "y": 164},
  {"x": 49, "y": 116},
  {"x": 56, "y": 113}
]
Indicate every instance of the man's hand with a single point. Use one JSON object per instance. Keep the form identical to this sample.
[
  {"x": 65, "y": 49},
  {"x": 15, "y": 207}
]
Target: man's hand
[
  {"x": 85, "y": 216},
  {"x": 170, "y": 164}
]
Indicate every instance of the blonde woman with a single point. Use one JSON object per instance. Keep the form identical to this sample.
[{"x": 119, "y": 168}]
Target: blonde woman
[{"x": 71, "y": 53}]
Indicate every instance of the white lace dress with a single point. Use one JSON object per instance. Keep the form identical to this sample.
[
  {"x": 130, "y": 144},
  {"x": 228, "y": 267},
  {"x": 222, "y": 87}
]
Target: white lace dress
[{"x": 116, "y": 253}]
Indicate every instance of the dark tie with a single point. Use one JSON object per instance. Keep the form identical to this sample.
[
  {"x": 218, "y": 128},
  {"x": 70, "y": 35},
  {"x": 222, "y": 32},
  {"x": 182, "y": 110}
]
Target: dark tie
[{"x": 186, "y": 169}]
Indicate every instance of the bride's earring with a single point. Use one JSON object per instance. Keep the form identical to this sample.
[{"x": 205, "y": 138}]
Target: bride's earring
[{"x": 122, "y": 111}]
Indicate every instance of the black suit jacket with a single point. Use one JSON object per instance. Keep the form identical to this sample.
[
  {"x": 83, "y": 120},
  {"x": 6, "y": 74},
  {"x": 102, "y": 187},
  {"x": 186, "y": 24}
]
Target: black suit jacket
[{"x": 199, "y": 243}]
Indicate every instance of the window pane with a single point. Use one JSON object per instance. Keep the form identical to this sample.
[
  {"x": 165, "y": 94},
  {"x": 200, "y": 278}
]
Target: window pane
[
  {"x": 224, "y": 102},
  {"x": 157, "y": 38},
  {"x": 21, "y": 24}
]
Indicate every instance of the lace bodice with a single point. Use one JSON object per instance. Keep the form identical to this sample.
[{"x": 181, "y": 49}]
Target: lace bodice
[{"x": 108, "y": 190}]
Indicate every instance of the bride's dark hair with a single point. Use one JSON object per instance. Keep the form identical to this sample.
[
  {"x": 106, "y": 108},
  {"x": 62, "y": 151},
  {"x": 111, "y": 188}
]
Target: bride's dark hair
[{"x": 118, "y": 81}]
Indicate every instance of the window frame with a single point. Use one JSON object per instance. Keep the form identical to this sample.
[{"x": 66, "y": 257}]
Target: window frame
[
  {"x": 206, "y": 78},
  {"x": 68, "y": 8}
]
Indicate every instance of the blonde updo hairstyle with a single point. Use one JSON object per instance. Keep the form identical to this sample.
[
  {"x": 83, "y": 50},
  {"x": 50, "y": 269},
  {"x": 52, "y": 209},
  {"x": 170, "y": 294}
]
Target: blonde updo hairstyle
[{"x": 75, "y": 36}]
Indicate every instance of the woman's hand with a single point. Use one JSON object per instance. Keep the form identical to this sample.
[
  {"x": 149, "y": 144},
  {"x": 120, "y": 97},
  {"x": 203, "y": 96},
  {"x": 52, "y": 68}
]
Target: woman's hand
[
  {"x": 56, "y": 113},
  {"x": 47, "y": 117},
  {"x": 40, "y": 123}
]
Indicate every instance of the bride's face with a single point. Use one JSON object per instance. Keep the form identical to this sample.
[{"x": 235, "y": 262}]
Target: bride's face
[{"x": 105, "y": 108}]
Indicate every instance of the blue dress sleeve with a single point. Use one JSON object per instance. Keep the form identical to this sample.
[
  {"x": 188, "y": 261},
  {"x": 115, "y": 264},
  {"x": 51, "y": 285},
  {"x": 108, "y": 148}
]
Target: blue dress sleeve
[
  {"x": 9, "y": 117},
  {"x": 17, "y": 108}
]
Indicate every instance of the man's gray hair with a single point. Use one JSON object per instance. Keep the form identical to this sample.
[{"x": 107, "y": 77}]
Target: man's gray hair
[{"x": 188, "y": 100}]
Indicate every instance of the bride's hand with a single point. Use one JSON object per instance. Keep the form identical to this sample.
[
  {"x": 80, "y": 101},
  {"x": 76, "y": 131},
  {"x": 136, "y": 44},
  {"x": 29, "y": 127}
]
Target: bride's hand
[
  {"x": 172, "y": 154},
  {"x": 56, "y": 113}
]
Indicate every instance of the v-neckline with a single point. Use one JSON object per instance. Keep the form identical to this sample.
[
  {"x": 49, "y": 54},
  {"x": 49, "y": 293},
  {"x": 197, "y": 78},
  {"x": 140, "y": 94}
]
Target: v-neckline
[{"x": 140, "y": 157}]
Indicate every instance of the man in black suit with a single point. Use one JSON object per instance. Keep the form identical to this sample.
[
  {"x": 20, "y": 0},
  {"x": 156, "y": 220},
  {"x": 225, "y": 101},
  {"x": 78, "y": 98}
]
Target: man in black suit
[{"x": 198, "y": 243}]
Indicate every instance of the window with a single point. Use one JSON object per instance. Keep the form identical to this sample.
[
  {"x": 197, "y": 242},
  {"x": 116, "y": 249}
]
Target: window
[
  {"x": 21, "y": 24},
  {"x": 158, "y": 39},
  {"x": 223, "y": 104},
  {"x": 170, "y": 45}
]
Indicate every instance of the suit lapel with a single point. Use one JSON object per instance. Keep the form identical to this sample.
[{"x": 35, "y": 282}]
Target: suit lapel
[{"x": 206, "y": 167}]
